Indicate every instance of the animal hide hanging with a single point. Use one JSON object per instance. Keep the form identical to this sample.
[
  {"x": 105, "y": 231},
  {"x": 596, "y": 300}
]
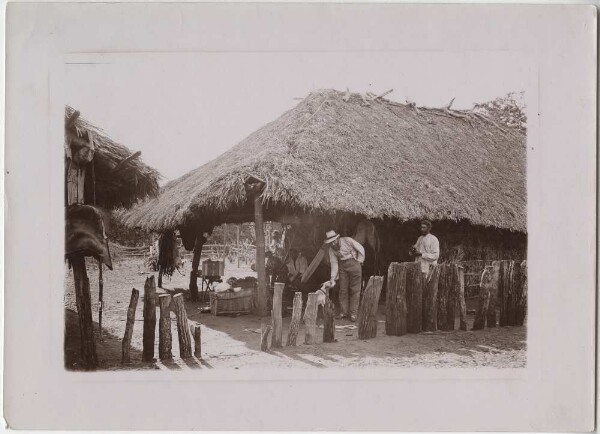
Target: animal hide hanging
[
  {"x": 85, "y": 234},
  {"x": 168, "y": 253}
]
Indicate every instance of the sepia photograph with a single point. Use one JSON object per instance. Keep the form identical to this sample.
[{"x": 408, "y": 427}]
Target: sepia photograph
[{"x": 281, "y": 210}]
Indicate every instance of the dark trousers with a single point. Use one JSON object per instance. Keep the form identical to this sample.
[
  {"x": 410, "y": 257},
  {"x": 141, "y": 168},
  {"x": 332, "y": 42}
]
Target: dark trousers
[{"x": 350, "y": 282}]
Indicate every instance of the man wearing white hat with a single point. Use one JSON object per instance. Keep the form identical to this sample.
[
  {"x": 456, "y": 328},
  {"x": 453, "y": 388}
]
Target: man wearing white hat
[{"x": 346, "y": 256}]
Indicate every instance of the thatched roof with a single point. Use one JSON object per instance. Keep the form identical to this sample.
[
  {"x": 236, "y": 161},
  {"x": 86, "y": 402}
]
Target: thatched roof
[
  {"x": 341, "y": 152},
  {"x": 119, "y": 181}
]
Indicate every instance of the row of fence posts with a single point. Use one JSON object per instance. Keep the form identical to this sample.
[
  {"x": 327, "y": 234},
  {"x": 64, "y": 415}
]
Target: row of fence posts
[
  {"x": 166, "y": 304},
  {"x": 414, "y": 303}
]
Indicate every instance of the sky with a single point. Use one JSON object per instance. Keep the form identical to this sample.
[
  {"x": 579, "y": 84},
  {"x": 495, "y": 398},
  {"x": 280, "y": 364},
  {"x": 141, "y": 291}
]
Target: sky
[{"x": 184, "y": 109}]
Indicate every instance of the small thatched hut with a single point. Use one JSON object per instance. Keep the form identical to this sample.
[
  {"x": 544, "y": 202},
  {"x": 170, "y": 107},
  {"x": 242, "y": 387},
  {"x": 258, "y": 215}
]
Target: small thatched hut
[
  {"x": 100, "y": 174},
  {"x": 339, "y": 157}
]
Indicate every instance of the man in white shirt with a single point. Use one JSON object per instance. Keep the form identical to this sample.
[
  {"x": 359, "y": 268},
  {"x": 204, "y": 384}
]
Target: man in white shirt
[
  {"x": 346, "y": 256},
  {"x": 427, "y": 248}
]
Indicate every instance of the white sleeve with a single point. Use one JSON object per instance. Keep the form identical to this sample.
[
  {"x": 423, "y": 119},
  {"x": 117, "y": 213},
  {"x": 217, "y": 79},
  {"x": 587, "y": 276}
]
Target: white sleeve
[
  {"x": 432, "y": 250},
  {"x": 334, "y": 264}
]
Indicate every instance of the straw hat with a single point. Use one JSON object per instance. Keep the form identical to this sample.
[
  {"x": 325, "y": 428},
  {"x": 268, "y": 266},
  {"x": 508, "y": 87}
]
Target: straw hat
[{"x": 330, "y": 237}]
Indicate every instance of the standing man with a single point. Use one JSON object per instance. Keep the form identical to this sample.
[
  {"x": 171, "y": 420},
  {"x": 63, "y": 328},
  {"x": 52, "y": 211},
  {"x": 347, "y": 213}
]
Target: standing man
[
  {"x": 427, "y": 248},
  {"x": 346, "y": 256}
]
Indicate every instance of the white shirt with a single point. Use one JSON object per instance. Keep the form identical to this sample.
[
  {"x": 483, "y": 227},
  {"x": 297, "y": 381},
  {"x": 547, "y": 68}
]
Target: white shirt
[
  {"x": 349, "y": 249},
  {"x": 429, "y": 247}
]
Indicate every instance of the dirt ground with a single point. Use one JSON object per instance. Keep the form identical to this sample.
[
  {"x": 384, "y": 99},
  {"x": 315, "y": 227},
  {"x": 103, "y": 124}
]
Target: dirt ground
[{"x": 234, "y": 342}]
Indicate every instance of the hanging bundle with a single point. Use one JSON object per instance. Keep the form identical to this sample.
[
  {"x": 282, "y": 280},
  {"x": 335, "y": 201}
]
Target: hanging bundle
[{"x": 168, "y": 253}]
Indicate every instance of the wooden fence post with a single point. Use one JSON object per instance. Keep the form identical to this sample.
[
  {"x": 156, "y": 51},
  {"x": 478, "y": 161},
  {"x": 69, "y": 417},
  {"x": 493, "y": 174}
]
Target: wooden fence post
[
  {"x": 488, "y": 279},
  {"x": 276, "y": 337},
  {"x": 414, "y": 297},
  {"x": 183, "y": 329},
  {"x": 165, "y": 338},
  {"x": 329, "y": 321},
  {"x": 197, "y": 334},
  {"x": 84, "y": 313},
  {"x": 149, "y": 320},
  {"x": 395, "y": 300},
  {"x": 310, "y": 318},
  {"x": 493, "y": 297},
  {"x": 504, "y": 291},
  {"x": 521, "y": 298},
  {"x": 295, "y": 321},
  {"x": 430, "y": 288},
  {"x": 459, "y": 282},
  {"x": 126, "y": 343},
  {"x": 444, "y": 288},
  {"x": 265, "y": 329},
  {"x": 367, "y": 311}
]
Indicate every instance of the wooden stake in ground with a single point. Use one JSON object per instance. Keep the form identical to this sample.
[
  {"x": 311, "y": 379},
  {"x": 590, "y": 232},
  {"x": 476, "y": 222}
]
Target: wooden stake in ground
[
  {"x": 276, "y": 338},
  {"x": 260, "y": 256},
  {"x": 444, "y": 287},
  {"x": 459, "y": 282},
  {"x": 295, "y": 321},
  {"x": 84, "y": 312},
  {"x": 452, "y": 300},
  {"x": 183, "y": 328},
  {"x": 521, "y": 299},
  {"x": 310, "y": 318},
  {"x": 126, "y": 343},
  {"x": 430, "y": 288},
  {"x": 165, "y": 338},
  {"x": 367, "y": 311},
  {"x": 197, "y": 334},
  {"x": 487, "y": 282},
  {"x": 491, "y": 309},
  {"x": 395, "y": 303},
  {"x": 414, "y": 297},
  {"x": 265, "y": 329},
  {"x": 149, "y": 320},
  {"x": 504, "y": 290},
  {"x": 329, "y": 321}
]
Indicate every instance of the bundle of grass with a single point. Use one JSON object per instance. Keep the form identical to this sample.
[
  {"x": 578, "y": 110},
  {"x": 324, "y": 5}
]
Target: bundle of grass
[{"x": 168, "y": 255}]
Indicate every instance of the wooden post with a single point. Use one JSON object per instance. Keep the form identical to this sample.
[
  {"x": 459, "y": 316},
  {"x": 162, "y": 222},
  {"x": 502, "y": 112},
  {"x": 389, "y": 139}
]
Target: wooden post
[
  {"x": 183, "y": 328},
  {"x": 493, "y": 297},
  {"x": 451, "y": 302},
  {"x": 487, "y": 282},
  {"x": 459, "y": 281},
  {"x": 165, "y": 339},
  {"x": 276, "y": 338},
  {"x": 430, "y": 288},
  {"x": 367, "y": 311},
  {"x": 444, "y": 288},
  {"x": 310, "y": 318},
  {"x": 295, "y": 321},
  {"x": 149, "y": 320},
  {"x": 196, "y": 263},
  {"x": 521, "y": 298},
  {"x": 260, "y": 257},
  {"x": 504, "y": 290},
  {"x": 197, "y": 334},
  {"x": 414, "y": 297},
  {"x": 329, "y": 321},
  {"x": 100, "y": 298},
  {"x": 126, "y": 343},
  {"x": 264, "y": 336},
  {"x": 84, "y": 312},
  {"x": 395, "y": 303}
]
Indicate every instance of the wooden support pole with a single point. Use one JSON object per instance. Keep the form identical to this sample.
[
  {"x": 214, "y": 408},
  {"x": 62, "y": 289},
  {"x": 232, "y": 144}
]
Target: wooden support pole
[
  {"x": 521, "y": 298},
  {"x": 414, "y": 297},
  {"x": 452, "y": 300},
  {"x": 430, "y": 288},
  {"x": 196, "y": 263},
  {"x": 126, "y": 343},
  {"x": 504, "y": 291},
  {"x": 100, "y": 298},
  {"x": 329, "y": 321},
  {"x": 459, "y": 281},
  {"x": 367, "y": 311},
  {"x": 260, "y": 257},
  {"x": 444, "y": 288},
  {"x": 295, "y": 321},
  {"x": 84, "y": 312},
  {"x": 493, "y": 297},
  {"x": 183, "y": 328},
  {"x": 276, "y": 315},
  {"x": 310, "y": 318},
  {"x": 488, "y": 280},
  {"x": 149, "y": 320},
  {"x": 265, "y": 329},
  {"x": 197, "y": 334},
  {"x": 165, "y": 338},
  {"x": 395, "y": 303}
]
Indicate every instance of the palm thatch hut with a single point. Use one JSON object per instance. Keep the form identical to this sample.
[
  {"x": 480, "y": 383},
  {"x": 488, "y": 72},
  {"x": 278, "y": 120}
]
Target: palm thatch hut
[
  {"x": 338, "y": 158},
  {"x": 100, "y": 174}
]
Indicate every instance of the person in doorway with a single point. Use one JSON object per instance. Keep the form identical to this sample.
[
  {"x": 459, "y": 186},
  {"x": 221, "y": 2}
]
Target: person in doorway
[
  {"x": 427, "y": 248},
  {"x": 346, "y": 256},
  {"x": 297, "y": 265}
]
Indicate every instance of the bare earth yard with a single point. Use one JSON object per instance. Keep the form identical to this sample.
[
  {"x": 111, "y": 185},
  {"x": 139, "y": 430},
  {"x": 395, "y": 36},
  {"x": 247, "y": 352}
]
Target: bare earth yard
[{"x": 234, "y": 342}]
